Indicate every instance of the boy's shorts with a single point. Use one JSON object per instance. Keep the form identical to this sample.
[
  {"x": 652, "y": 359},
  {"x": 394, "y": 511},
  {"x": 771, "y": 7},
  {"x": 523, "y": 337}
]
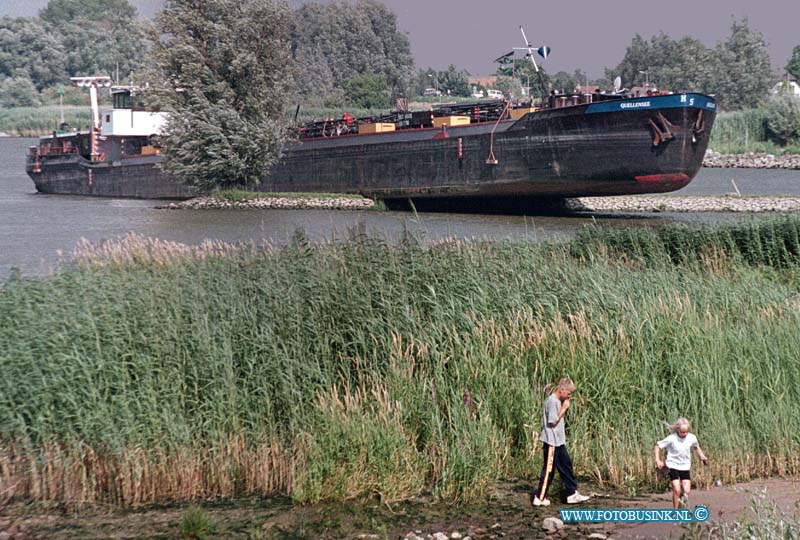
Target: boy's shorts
[{"x": 675, "y": 474}]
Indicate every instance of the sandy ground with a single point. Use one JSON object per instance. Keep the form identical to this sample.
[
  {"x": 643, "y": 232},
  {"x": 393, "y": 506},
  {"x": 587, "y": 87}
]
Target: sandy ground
[{"x": 726, "y": 504}]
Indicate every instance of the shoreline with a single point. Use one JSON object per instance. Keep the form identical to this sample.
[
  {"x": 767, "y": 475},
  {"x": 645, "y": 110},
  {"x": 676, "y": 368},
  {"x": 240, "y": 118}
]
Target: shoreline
[
  {"x": 628, "y": 203},
  {"x": 508, "y": 514},
  {"x": 750, "y": 160},
  {"x": 274, "y": 203},
  {"x": 682, "y": 204}
]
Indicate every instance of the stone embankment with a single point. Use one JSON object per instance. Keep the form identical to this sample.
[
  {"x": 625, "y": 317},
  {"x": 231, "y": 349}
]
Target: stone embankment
[
  {"x": 287, "y": 203},
  {"x": 751, "y": 160},
  {"x": 639, "y": 203},
  {"x": 634, "y": 203}
]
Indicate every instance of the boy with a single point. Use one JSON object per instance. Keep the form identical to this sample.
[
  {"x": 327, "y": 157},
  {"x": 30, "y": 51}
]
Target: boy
[{"x": 554, "y": 441}]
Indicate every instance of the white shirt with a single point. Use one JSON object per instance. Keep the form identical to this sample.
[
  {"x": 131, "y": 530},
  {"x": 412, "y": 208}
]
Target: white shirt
[{"x": 679, "y": 455}]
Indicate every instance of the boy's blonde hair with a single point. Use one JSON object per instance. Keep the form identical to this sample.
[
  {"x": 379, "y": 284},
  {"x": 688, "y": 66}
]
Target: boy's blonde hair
[
  {"x": 679, "y": 423},
  {"x": 566, "y": 384}
]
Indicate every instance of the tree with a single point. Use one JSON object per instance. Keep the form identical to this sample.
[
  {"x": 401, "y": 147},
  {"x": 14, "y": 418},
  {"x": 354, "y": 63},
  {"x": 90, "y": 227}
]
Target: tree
[
  {"x": 783, "y": 119},
  {"x": 566, "y": 82},
  {"x": 741, "y": 72},
  {"x": 60, "y": 11},
  {"x": 98, "y": 36},
  {"x": 793, "y": 65},
  {"x": 510, "y": 86},
  {"x": 367, "y": 91},
  {"x": 18, "y": 92},
  {"x": 537, "y": 82},
  {"x": 30, "y": 51},
  {"x": 680, "y": 66},
  {"x": 222, "y": 72},
  {"x": 454, "y": 81},
  {"x": 335, "y": 42}
]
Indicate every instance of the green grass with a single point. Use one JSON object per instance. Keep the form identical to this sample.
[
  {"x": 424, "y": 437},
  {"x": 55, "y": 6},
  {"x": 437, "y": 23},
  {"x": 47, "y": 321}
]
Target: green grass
[{"x": 147, "y": 371}]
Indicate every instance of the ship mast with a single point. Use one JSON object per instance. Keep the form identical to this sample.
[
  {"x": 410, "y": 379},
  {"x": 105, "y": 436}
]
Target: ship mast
[{"x": 93, "y": 83}]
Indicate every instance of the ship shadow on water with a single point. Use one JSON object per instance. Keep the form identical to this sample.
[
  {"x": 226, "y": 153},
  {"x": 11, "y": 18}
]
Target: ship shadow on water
[{"x": 509, "y": 206}]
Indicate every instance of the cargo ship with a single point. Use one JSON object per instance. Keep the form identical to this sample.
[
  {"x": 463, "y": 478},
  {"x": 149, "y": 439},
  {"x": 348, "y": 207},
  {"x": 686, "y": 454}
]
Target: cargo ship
[{"x": 489, "y": 153}]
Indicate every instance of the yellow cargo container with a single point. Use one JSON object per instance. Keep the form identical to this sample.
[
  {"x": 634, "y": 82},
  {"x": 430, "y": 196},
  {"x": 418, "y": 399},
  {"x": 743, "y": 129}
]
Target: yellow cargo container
[
  {"x": 516, "y": 114},
  {"x": 450, "y": 121},
  {"x": 378, "y": 127}
]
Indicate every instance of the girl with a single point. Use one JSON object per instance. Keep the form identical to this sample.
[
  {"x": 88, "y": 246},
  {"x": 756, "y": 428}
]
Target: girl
[{"x": 679, "y": 459}]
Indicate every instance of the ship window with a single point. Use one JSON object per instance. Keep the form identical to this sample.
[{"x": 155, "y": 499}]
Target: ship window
[
  {"x": 123, "y": 100},
  {"x": 108, "y": 118}
]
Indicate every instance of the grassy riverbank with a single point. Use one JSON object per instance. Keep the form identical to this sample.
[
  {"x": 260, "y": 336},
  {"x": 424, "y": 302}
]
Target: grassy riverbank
[
  {"x": 745, "y": 131},
  {"x": 152, "y": 372},
  {"x": 36, "y": 121}
]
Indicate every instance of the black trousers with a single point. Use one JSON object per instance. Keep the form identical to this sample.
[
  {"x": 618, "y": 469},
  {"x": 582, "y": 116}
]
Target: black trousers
[{"x": 556, "y": 458}]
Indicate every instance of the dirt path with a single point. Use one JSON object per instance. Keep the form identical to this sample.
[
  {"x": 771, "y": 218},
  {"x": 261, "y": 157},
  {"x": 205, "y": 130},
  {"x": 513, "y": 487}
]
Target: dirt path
[{"x": 506, "y": 515}]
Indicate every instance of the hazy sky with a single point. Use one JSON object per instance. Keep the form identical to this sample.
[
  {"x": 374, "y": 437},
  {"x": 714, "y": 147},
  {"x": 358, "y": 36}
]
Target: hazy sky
[{"x": 585, "y": 34}]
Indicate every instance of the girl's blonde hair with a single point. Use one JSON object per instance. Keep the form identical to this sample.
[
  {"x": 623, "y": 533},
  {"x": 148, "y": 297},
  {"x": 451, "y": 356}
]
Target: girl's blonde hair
[{"x": 680, "y": 422}]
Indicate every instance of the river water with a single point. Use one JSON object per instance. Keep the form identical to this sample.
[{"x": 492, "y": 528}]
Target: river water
[{"x": 36, "y": 229}]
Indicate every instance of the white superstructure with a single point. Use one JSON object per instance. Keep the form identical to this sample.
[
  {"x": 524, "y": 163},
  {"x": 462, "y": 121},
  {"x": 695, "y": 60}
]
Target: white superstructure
[{"x": 128, "y": 120}]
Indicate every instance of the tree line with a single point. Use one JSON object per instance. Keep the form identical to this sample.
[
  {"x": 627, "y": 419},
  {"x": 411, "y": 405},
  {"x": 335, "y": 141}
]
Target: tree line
[
  {"x": 340, "y": 51},
  {"x": 354, "y": 53}
]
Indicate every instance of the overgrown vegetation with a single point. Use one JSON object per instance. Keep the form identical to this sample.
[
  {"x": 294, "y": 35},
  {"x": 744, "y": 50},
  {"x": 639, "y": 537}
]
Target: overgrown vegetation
[
  {"x": 783, "y": 119},
  {"x": 225, "y": 82},
  {"x": 767, "y": 522},
  {"x": 748, "y": 131},
  {"x": 34, "y": 121},
  {"x": 150, "y": 371},
  {"x": 196, "y": 524}
]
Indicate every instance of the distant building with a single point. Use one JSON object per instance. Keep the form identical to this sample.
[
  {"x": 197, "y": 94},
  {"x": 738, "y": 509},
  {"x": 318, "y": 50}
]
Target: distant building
[
  {"x": 488, "y": 82},
  {"x": 781, "y": 88}
]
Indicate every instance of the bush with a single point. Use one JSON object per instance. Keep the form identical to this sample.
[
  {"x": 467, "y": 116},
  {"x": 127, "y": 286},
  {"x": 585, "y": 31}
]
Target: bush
[
  {"x": 196, "y": 524},
  {"x": 18, "y": 92},
  {"x": 783, "y": 119},
  {"x": 367, "y": 91}
]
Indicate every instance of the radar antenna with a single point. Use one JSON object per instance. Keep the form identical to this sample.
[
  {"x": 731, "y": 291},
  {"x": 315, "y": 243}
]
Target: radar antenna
[
  {"x": 529, "y": 48},
  {"x": 543, "y": 51}
]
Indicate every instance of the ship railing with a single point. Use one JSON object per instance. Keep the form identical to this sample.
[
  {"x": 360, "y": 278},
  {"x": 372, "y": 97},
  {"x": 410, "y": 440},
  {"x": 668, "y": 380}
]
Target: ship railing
[
  {"x": 60, "y": 150},
  {"x": 481, "y": 111}
]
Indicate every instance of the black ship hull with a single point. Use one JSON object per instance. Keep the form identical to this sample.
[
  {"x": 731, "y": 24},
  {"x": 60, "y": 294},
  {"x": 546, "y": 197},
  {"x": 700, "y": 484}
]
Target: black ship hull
[{"x": 631, "y": 146}]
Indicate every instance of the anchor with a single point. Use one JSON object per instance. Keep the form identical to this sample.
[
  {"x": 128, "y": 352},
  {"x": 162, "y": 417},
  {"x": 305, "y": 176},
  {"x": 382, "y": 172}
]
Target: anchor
[
  {"x": 699, "y": 128},
  {"x": 662, "y": 129}
]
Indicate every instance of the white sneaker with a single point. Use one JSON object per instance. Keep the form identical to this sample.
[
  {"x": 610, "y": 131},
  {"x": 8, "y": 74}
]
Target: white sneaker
[
  {"x": 541, "y": 502},
  {"x": 576, "y": 498}
]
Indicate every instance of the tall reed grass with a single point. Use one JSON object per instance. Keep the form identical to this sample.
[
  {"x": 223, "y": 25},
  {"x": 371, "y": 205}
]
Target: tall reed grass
[
  {"x": 745, "y": 131},
  {"x": 35, "y": 121},
  {"x": 149, "y": 371}
]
